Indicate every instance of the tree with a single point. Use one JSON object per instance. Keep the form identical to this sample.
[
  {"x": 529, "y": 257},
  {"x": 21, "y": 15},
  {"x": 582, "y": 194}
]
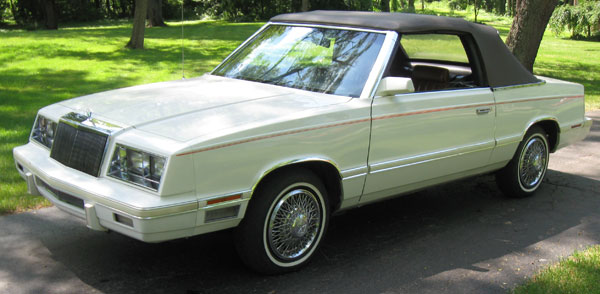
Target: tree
[
  {"x": 385, "y": 5},
  {"x": 411, "y": 5},
  {"x": 476, "y": 7},
  {"x": 528, "y": 28},
  {"x": 155, "y": 16},
  {"x": 50, "y": 15},
  {"x": 139, "y": 25},
  {"x": 394, "y": 4},
  {"x": 305, "y": 5}
]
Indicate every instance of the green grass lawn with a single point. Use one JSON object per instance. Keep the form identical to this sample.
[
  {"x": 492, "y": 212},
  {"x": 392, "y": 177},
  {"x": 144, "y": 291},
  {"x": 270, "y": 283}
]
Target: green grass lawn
[
  {"x": 580, "y": 273},
  {"x": 558, "y": 57},
  {"x": 38, "y": 68}
]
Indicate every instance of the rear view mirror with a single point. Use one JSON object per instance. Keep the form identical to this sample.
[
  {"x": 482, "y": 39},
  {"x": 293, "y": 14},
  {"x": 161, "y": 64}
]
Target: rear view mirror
[{"x": 390, "y": 86}]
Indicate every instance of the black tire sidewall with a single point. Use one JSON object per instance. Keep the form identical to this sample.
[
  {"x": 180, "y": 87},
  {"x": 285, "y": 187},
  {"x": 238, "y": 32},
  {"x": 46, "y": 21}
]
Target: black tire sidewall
[
  {"x": 542, "y": 136},
  {"x": 251, "y": 234},
  {"x": 508, "y": 178},
  {"x": 322, "y": 206}
]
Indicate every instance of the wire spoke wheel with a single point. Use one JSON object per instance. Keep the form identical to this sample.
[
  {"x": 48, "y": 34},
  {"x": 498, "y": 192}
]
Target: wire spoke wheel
[
  {"x": 532, "y": 163},
  {"x": 284, "y": 223},
  {"x": 294, "y": 224},
  {"x": 524, "y": 174}
]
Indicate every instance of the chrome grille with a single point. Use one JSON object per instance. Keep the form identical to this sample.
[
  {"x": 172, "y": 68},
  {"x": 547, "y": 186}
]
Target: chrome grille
[{"x": 79, "y": 147}]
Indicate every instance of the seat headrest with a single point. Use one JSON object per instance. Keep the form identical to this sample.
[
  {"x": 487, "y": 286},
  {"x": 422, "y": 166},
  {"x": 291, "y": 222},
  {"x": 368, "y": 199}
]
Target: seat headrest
[{"x": 431, "y": 73}]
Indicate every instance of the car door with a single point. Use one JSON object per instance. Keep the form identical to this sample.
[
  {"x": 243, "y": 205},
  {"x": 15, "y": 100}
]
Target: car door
[{"x": 430, "y": 136}]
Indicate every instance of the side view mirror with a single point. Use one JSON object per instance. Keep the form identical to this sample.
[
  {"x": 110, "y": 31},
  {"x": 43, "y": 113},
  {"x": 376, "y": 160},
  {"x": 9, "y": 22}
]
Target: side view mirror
[{"x": 390, "y": 86}]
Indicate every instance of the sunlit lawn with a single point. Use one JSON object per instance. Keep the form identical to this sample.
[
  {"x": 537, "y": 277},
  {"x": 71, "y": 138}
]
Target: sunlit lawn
[
  {"x": 38, "y": 68},
  {"x": 579, "y": 273}
]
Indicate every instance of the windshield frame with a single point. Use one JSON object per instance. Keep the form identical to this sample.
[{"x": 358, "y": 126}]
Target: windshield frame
[{"x": 379, "y": 64}]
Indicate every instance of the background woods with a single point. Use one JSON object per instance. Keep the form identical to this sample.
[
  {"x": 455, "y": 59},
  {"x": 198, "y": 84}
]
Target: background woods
[{"x": 577, "y": 17}]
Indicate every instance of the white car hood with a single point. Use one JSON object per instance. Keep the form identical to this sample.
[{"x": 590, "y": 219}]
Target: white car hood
[{"x": 186, "y": 109}]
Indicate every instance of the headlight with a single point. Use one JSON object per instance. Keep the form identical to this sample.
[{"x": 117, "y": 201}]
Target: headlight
[
  {"x": 138, "y": 167},
  {"x": 43, "y": 131}
]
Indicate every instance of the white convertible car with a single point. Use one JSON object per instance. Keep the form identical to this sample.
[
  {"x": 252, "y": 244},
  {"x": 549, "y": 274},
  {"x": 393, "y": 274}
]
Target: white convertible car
[{"x": 315, "y": 113}]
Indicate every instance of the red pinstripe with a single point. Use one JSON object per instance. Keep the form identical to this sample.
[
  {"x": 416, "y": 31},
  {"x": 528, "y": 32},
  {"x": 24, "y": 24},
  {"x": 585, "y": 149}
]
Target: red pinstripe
[{"x": 365, "y": 120}]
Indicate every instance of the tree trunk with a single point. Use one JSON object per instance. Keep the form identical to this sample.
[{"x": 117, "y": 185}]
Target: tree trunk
[
  {"x": 476, "y": 9},
  {"x": 139, "y": 25},
  {"x": 502, "y": 7},
  {"x": 528, "y": 29},
  {"x": 305, "y": 5},
  {"x": 385, "y": 5},
  {"x": 411, "y": 5},
  {"x": 155, "y": 17},
  {"x": 394, "y": 5},
  {"x": 422, "y": 5},
  {"x": 50, "y": 17}
]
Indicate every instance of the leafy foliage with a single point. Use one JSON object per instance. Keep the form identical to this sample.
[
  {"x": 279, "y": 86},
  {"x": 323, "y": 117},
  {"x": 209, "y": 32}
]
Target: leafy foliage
[{"x": 577, "y": 19}]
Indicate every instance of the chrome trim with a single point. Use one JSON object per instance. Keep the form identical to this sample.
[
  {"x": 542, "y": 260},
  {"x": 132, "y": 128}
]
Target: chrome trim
[
  {"x": 240, "y": 47},
  {"x": 335, "y": 27},
  {"x": 483, "y": 110},
  {"x": 78, "y": 120},
  {"x": 290, "y": 162},
  {"x": 390, "y": 164},
  {"x": 35, "y": 125},
  {"x": 245, "y": 43},
  {"x": 146, "y": 217},
  {"x": 537, "y": 120},
  {"x": 101, "y": 200},
  {"x": 442, "y": 91},
  {"x": 540, "y": 83},
  {"x": 354, "y": 176},
  {"x": 379, "y": 66},
  {"x": 353, "y": 172},
  {"x": 106, "y": 172}
]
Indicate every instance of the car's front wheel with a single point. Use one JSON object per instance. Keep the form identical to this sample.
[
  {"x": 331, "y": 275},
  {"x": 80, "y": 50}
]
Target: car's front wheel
[
  {"x": 285, "y": 222},
  {"x": 525, "y": 172}
]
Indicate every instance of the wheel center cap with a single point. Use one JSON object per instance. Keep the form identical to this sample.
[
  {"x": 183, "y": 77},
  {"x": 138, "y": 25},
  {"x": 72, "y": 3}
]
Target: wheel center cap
[
  {"x": 537, "y": 161},
  {"x": 299, "y": 225}
]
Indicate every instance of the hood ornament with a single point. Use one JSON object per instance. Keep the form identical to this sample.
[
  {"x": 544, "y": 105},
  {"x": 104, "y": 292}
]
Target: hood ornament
[{"x": 88, "y": 114}]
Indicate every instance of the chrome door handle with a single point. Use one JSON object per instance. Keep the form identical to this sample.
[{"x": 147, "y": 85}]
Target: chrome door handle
[{"x": 484, "y": 110}]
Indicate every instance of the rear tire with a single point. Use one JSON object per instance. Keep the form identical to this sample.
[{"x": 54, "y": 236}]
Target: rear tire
[
  {"x": 284, "y": 224},
  {"x": 527, "y": 169}
]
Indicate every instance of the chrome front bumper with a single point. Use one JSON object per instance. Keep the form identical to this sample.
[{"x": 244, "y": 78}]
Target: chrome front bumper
[{"x": 106, "y": 204}]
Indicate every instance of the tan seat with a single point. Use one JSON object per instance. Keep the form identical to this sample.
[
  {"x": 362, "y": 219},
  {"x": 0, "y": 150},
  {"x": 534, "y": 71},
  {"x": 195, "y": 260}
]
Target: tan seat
[{"x": 430, "y": 78}]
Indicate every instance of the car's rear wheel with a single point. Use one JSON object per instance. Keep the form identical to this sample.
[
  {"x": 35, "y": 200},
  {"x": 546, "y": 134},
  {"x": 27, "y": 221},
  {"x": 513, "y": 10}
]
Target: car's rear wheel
[
  {"x": 525, "y": 172},
  {"x": 285, "y": 222}
]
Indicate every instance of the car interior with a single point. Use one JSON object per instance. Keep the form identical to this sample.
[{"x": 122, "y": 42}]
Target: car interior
[{"x": 437, "y": 72}]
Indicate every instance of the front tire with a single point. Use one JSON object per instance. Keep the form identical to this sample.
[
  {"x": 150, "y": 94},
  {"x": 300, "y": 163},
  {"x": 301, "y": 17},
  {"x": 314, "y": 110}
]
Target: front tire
[
  {"x": 525, "y": 172},
  {"x": 284, "y": 224}
]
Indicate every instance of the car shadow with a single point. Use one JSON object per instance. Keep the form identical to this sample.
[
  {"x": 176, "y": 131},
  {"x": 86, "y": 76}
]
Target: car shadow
[{"x": 382, "y": 246}]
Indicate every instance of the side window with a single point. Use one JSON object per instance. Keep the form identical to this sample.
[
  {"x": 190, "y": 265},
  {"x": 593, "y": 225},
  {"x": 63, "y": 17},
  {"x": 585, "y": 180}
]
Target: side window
[
  {"x": 436, "y": 47},
  {"x": 436, "y": 61}
]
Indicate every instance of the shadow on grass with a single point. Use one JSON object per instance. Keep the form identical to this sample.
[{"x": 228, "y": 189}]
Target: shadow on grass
[
  {"x": 585, "y": 74},
  {"x": 196, "y": 35},
  {"x": 22, "y": 95}
]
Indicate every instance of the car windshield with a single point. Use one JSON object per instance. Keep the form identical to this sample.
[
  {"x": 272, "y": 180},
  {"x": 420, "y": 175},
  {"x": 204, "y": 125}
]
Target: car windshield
[{"x": 333, "y": 61}]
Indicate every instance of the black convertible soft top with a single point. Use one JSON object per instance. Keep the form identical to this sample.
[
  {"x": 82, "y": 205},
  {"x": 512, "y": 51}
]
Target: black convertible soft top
[{"x": 501, "y": 66}]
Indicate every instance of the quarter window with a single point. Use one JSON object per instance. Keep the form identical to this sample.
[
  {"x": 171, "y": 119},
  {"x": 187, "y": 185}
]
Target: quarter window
[{"x": 435, "y": 47}]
